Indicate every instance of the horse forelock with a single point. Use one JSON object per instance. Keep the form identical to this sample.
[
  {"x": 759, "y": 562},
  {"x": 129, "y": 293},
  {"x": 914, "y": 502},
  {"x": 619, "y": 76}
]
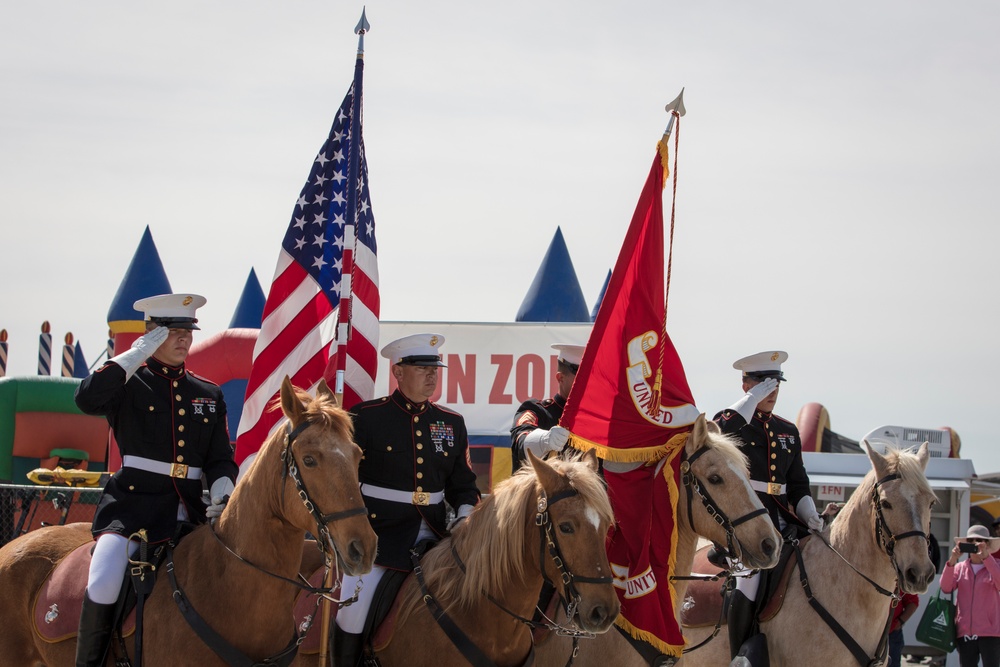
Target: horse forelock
[
  {"x": 727, "y": 446},
  {"x": 494, "y": 544}
]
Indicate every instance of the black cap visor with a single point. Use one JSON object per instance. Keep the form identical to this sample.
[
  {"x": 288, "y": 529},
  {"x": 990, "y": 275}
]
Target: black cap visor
[
  {"x": 176, "y": 322},
  {"x": 422, "y": 360},
  {"x": 763, "y": 375}
]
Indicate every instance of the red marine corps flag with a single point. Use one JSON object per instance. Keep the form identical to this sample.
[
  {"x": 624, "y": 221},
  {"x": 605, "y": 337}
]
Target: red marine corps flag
[{"x": 632, "y": 403}]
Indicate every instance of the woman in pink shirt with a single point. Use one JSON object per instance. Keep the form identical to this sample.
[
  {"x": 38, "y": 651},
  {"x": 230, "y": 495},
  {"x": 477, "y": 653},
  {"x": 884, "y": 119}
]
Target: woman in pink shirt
[{"x": 977, "y": 603}]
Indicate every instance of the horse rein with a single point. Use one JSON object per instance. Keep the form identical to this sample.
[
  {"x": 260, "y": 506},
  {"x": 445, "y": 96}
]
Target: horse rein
[
  {"x": 886, "y": 540},
  {"x": 692, "y": 486}
]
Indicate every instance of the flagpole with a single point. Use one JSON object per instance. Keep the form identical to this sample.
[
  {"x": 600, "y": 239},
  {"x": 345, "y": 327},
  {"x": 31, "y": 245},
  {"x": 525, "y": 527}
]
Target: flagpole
[
  {"x": 351, "y": 217},
  {"x": 675, "y": 110}
]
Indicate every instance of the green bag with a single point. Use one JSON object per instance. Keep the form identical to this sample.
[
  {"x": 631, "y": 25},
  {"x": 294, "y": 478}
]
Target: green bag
[{"x": 937, "y": 625}]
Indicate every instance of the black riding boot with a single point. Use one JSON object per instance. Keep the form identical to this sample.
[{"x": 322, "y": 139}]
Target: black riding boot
[
  {"x": 94, "y": 636},
  {"x": 347, "y": 648},
  {"x": 741, "y": 617}
]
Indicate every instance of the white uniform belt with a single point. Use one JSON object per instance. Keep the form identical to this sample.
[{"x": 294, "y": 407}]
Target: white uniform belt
[
  {"x": 395, "y": 495},
  {"x": 770, "y": 488},
  {"x": 179, "y": 470}
]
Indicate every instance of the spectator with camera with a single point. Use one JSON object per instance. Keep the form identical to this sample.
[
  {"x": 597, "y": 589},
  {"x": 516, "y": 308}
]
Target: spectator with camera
[{"x": 976, "y": 582}]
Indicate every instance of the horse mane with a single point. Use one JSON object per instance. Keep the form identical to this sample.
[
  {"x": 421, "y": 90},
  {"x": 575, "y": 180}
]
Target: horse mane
[{"x": 495, "y": 538}]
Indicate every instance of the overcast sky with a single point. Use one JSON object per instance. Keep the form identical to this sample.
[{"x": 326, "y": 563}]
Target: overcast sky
[{"x": 836, "y": 165}]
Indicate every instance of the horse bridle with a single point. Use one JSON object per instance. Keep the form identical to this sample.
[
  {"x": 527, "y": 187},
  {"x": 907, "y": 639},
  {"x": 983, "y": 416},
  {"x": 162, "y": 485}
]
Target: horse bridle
[
  {"x": 692, "y": 486},
  {"x": 884, "y": 536},
  {"x": 291, "y": 470}
]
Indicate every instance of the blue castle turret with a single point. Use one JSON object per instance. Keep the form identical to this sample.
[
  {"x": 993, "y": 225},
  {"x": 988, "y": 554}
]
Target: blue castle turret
[
  {"x": 555, "y": 294},
  {"x": 250, "y": 310},
  {"x": 145, "y": 277}
]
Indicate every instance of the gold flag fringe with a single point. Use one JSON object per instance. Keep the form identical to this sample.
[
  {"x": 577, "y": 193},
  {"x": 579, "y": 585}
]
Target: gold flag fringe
[{"x": 643, "y": 454}]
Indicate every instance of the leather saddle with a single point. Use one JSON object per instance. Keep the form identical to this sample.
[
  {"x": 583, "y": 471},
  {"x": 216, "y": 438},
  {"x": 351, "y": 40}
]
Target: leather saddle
[{"x": 703, "y": 603}]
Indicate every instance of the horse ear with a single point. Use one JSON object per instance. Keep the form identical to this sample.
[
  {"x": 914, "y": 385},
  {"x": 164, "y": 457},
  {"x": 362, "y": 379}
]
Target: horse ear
[
  {"x": 323, "y": 389},
  {"x": 590, "y": 458},
  {"x": 878, "y": 461},
  {"x": 290, "y": 403},
  {"x": 544, "y": 472},
  {"x": 924, "y": 454},
  {"x": 699, "y": 434}
]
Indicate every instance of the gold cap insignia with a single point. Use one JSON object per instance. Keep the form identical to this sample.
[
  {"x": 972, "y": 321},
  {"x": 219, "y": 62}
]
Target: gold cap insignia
[
  {"x": 434, "y": 341},
  {"x": 187, "y": 301},
  {"x": 774, "y": 357}
]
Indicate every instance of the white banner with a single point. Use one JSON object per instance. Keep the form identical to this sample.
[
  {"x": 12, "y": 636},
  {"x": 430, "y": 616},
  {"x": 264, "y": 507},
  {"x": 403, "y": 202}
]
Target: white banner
[{"x": 491, "y": 367}]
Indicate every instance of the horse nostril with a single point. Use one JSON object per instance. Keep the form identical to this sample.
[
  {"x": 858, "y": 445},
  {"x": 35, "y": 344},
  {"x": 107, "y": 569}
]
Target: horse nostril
[
  {"x": 354, "y": 551},
  {"x": 598, "y": 616},
  {"x": 767, "y": 546}
]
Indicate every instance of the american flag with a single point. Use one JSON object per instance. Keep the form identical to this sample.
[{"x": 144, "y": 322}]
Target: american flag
[{"x": 328, "y": 257}]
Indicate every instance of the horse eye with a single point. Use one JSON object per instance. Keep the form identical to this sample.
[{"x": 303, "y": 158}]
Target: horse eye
[
  {"x": 715, "y": 479},
  {"x": 566, "y": 528},
  {"x": 309, "y": 461},
  {"x": 886, "y": 505}
]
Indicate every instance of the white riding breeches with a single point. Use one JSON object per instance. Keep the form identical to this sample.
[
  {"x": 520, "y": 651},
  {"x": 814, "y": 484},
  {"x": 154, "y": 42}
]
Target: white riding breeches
[
  {"x": 352, "y": 617},
  {"x": 107, "y": 567}
]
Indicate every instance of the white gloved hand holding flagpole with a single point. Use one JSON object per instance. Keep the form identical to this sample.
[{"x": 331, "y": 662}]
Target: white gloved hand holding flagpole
[{"x": 540, "y": 441}]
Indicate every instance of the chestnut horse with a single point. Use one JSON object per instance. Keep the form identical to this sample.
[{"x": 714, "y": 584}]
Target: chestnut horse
[
  {"x": 305, "y": 478},
  {"x": 718, "y": 466},
  {"x": 550, "y": 519},
  {"x": 869, "y": 539}
]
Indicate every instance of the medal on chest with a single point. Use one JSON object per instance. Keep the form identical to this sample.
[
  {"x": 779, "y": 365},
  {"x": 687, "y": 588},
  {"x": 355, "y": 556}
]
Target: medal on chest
[{"x": 442, "y": 435}]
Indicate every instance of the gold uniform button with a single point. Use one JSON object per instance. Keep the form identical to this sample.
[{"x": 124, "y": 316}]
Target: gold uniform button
[
  {"x": 181, "y": 428},
  {"x": 416, "y": 420},
  {"x": 409, "y": 407},
  {"x": 151, "y": 408},
  {"x": 419, "y": 433},
  {"x": 419, "y": 446},
  {"x": 420, "y": 489},
  {"x": 205, "y": 420},
  {"x": 374, "y": 516},
  {"x": 180, "y": 443},
  {"x": 446, "y": 453},
  {"x": 774, "y": 467},
  {"x": 774, "y": 455},
  {"x": 420, "y": 459},
  {"x": 176, "y": 383},
  {"x": 774, "y": 444},
  {"x": 180, "y": 459},
  {"x": 181, "y": 412},
  {"x": 420, "y": 475},
  {"x": 389, "y": 448},
  {"x": 773, "y": 478},
  {"x": 771, "y": 433},
  {"x": 131, "y": 488},
  {"x": 177, "y": 397}
]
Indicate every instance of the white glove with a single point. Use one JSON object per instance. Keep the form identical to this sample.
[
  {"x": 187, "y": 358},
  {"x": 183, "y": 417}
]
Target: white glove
[
  {"x": 540, "y": 442},
  {"x": 757, "y": 393},
  {"x": 806, "y": 511},
  {"x": 461, "y": 514},
  {"x": 142, "y": 349},
  {"x": 221, "y": 489}
]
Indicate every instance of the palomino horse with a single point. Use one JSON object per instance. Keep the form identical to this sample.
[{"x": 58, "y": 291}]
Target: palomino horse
[
  {"x": 237, "y": 576},
  {"x": 549, "y": 520},
  {"x": 870, "y": 547},
  {"x": 719, "y": 468}
]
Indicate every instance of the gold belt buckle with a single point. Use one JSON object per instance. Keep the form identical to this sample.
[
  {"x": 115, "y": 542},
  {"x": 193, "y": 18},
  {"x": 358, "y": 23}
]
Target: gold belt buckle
[
  {"x": 774, "y": 489},
  {"x": 179, "y": 470},
  {"x": 421, "y": 498}
]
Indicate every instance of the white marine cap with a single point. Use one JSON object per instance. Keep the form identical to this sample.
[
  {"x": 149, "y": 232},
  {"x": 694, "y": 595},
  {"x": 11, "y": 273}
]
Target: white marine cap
[
  {"x": 171, "y": 310},
  {"x": 571, "y": 354},
  {"x": 415, "y": 350},
  {"x": 762, "y": 365}
]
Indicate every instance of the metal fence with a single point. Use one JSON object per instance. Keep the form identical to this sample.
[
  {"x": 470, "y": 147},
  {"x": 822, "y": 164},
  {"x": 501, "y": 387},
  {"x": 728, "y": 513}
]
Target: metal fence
[{"x": 25, "y": 507}]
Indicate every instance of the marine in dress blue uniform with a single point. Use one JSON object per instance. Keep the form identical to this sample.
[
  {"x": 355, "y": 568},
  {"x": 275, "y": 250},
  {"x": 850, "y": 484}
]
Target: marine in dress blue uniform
[
  {"x": 415, "y": 457},
  {"x": 774, "y": 450},
  {"x": 171, "y": 430},
  {"x": 536, "y": 422}
]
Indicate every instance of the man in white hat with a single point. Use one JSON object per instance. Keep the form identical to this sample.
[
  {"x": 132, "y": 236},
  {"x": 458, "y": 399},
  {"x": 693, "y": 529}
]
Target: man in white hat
[
  {"x": 171, "y": 429},
  {"x": 416, "y": 457},
  {"x": 536, "y": 422},
  {"x": 774, "y": 450}
]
